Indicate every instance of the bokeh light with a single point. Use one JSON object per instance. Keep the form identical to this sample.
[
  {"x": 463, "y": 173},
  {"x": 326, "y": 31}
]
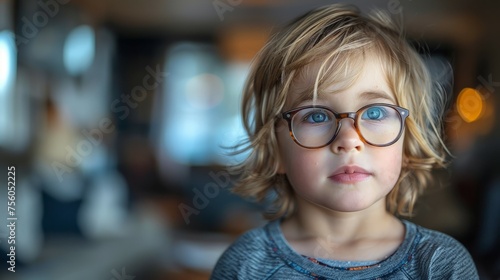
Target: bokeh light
[
  {"x": 7, "y": 57},
  {"x": 79, "y": 50},
  {"x": 470, "y": 104}
]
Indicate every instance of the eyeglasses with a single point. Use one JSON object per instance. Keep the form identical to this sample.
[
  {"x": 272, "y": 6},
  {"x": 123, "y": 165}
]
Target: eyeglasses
[{"x": 377, "y": 124}]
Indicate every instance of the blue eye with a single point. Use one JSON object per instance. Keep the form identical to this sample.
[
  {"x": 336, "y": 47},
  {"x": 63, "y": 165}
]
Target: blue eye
[
  {"x": 316, "y": 117},
  {"x": 374, "y": 113}
]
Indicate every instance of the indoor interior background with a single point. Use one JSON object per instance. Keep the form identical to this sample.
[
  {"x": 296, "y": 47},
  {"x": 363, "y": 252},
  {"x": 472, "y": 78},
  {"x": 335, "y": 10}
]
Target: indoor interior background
[{"x": 115, "y": 115}]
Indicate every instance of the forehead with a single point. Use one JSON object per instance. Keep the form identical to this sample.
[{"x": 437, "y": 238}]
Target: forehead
[{"x": 359, "y": 72}]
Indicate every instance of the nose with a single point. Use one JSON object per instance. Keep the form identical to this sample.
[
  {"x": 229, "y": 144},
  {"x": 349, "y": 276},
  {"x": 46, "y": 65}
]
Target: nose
[{"x": 348, "y": 138}]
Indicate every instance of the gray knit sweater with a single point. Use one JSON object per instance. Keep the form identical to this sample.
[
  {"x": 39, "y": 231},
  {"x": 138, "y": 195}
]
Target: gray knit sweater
[{"x": 263, "y": 253}]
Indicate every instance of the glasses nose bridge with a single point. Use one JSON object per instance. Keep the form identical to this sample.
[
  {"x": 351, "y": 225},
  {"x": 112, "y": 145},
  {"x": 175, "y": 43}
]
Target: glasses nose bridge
[{"x": 346, "y": 115}]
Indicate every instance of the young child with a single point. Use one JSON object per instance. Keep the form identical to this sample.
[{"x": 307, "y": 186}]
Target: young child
[{"x": 344, "y": 129}]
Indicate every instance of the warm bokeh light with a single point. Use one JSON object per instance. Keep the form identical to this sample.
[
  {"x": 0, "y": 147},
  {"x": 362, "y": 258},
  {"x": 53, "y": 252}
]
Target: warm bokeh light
[{"x": 470, "y": 104}]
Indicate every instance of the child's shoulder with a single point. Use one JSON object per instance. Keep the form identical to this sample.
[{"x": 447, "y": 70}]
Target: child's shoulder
[
  {"x": 249, "y": 256},
  {"x": 441, "y": 254},
  {"x": 433, "y": 239},
  {"x": 255, "y": 238}
]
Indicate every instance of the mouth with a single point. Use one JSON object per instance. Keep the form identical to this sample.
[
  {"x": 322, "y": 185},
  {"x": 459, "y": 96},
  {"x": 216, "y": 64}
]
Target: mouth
[{"x": 350, "y": 174}]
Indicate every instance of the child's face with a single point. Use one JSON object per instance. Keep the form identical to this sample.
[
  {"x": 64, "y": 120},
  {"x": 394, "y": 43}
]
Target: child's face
[{"x": 318, "y": 175}]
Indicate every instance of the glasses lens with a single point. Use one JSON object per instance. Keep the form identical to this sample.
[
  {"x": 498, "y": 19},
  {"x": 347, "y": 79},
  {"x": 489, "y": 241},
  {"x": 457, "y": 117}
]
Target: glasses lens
[
  {"x": 313, "y": 127},
  {"x": 379, "y": 125}
]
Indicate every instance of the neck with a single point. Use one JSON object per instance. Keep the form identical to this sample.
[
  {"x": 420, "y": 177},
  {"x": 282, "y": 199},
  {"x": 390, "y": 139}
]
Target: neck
[
  {"x": 315, "y": 221},
  {"x": 350, "y": 235}
]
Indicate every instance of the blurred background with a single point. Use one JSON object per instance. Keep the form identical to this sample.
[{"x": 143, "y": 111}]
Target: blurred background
[{"x": 115, "y": 114}]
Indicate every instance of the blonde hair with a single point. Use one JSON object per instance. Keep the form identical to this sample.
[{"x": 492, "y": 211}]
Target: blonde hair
[{"x": 341, "y": 37}]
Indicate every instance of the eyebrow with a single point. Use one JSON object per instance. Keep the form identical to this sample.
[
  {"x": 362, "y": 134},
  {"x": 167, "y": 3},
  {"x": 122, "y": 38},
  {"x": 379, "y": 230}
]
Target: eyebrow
[
  {"x": 377, "y": 95},
  {"x": 368, "y": 95}
]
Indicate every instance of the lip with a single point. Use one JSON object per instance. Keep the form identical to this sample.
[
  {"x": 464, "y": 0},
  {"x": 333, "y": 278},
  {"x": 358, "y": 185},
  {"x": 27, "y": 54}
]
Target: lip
[{"x": 350, "y": 174}]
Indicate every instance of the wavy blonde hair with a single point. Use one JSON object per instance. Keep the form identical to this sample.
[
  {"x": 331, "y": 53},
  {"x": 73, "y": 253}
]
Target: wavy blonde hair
[{"x": 338, "y": 37}]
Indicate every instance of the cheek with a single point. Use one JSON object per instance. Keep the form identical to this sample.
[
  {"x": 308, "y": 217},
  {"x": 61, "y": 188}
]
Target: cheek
[
  {"x": 304, "y": 173},
  {"x": 303, "y": 164},
  {"x": 294, "y": 160},
  {"x": 300, "y": 165},
  {"x": 392, "y": 163}
]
